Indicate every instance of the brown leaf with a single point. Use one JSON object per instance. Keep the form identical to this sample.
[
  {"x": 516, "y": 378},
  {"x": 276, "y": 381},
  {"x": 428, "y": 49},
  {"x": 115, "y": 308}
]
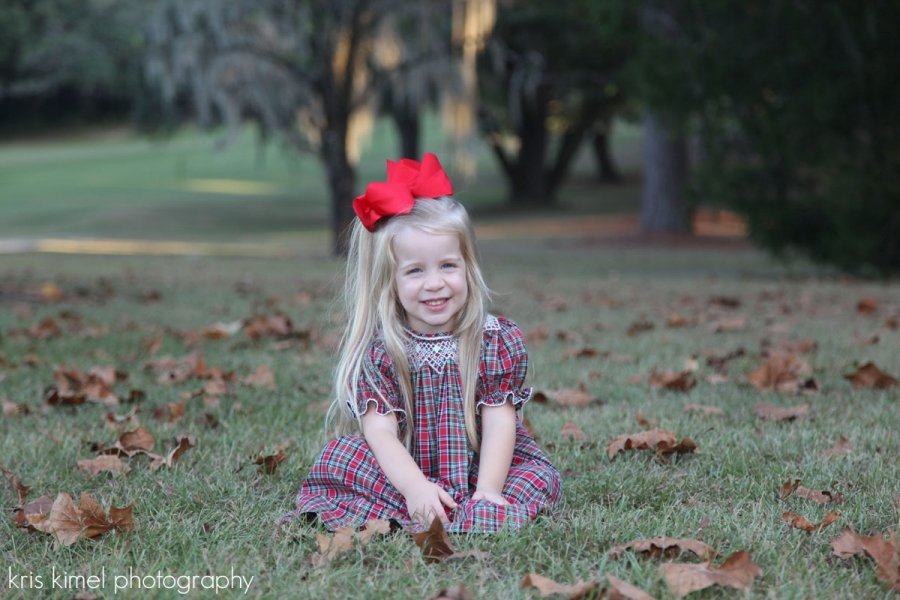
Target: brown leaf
[
  {"x": 21, "y": 491},
  {"x": 268, "y": 464},
  {"x": 787, "y": 488},
  {"x": 46, "y": 329},
  {"x": 802, "y": 347},
  {"x": 435, "y": 543},
  {"x": 64, "y": 520},
  {"x": 665, "y": 547},
  {"x": 818, "y": 496},
  {"x": 706, "y": 410},
  {"x": 642, "y": 420},
  {"x": 457, "y": 592},
  {"x": 738, "y": 572},
  {"x": 725, "y": 301},
  {"x": 681, "y": 381},
  {"x": 886, "y": 553},
  {"x": 840, "y": 448},
  {"x": 580, "y": 353},
  {"x": 622, "y": 590},
  {"x": 870, "y": 340},
  {"x": 136, "y": 441},
  {"x": 171, "y": 412},
  {"x": 570, "y": 429},
  {"x": 185, "y": 443},
  {"x": 730, "y": 324},
  {"x": 767, "y": 411},
  {"x": 547, "y": 587},
  {"x": 665, "y": 441},
  {"x": 574, "y": 397},
  {"x": 639, "y": 327},
  {"x": 104, "y": 462},
  {"x": 41, "y": 506},
  {"x": 867, "y": 305},
  {"x": 870, "y": 376},
  {"x": 798, "y": 522},
  {"x": 779, "y": 373},
  {"x": 342, "y": 539},
  {"x": 261, "y": 377}
]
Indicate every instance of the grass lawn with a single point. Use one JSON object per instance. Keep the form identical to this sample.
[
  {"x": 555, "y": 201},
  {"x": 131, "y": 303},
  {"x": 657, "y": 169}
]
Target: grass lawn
[
  {"x": 213, "y": 512},
  {"x": 116, "y": 185}
]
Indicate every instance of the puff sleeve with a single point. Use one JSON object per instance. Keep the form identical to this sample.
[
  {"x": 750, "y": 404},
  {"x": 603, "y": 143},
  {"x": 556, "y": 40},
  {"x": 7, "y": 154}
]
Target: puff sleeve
[
  {"x": 504, "y": 366},
  {"x": 378, "y": 385}
]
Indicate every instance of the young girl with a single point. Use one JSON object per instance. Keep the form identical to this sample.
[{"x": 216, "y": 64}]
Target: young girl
[{"x": 428, "y": 387}]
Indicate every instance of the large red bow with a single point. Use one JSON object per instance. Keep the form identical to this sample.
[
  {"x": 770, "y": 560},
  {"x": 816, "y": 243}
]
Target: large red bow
[{"x": 406, "y": 181}]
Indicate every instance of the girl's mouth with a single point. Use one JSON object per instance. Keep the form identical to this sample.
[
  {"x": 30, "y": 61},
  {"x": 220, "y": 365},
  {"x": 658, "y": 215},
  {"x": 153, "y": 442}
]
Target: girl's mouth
[{"x": 436, "y": 304}]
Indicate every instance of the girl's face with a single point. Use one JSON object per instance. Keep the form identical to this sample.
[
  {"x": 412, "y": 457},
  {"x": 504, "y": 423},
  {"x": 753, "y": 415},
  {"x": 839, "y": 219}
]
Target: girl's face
[{"x": 430, "y": 279}]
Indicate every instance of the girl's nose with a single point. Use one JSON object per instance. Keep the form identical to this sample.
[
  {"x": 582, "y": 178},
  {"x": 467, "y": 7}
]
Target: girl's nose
[{"x": 434, "y": 281}]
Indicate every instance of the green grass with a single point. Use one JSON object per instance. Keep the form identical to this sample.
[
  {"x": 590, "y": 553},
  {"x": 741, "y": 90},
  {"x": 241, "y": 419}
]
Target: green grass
[
  {"x": 206, "y": 516},
  {"x": 115, "y": 184}
]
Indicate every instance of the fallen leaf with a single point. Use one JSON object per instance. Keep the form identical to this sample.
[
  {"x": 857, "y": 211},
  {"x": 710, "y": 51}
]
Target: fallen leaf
[
  {"x": 639, "y": 327},
  {"x": 665, "y": 547},
  {"x": 840, "y": 448},
  {"x": 41, "y": 506},
  {"x": 866, "y": 341},
  {"x": 867, "y": 305},
  {"x": 665, "y": 441},
  {"x": 779, "y": 373},
  {"x": 21, "y": 491},
  {"x": 730, "y": 324},
  {"x": 622, "y": 590},
  {"x": 870, "y": 376},
  {"x": 798, "y": 522},
  {"x": 681, "y": 381},
  {"x": 642, "y": 420},
  {"x": 570, "y": 429},
  {"x": 457, "y": 592},
  {"x": 706, "y": 410},
  {"x": 104, "y": 462},
  {"x": 68, "y": 522},
  {"x": 342, "y": 540},
  {"x": 886, "y": 553},
  {"x": 547, "y": 587},
  {"x": 435, "y": 543},
  {"x": 579, "y": 353},
  {"x": 261, "y": 377},
  {"x": 574, "y": 397},
  {"x": 738, "y": 572},
  {"x": 138, "y": 440},
  {"x": 718, "y": 359},
  {"x": 171, "y": 412},
  {"x": 184, "y": 443},
  {"x": 767, "y": 411},
  {"x": 725, "y": 301},
  {"x": 268, "y": 464}
]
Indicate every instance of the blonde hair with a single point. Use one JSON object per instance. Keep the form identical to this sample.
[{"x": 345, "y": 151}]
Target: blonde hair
[{"x": 373, "y": 310}]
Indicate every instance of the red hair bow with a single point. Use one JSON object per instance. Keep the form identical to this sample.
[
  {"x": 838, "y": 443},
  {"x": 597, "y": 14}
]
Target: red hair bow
[{"x": 406, "y": 181}]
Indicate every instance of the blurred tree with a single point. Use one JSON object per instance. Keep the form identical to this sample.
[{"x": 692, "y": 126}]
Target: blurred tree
[
  {"x": 800, "y": 128},
  {"x": 71, "y": 55},
  {"x": 311, "y": 72},
  {"x": 551, "y": 75}
]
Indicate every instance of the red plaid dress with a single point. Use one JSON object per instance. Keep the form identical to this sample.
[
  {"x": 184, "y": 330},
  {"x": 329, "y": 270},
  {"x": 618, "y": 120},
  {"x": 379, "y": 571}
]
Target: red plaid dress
[{"x": 346, "y": 487}]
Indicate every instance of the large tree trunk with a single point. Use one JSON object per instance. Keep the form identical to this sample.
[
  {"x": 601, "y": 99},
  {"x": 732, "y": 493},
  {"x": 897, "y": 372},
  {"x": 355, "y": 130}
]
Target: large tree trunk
[
  {"x": 607, "y": 171},
  {"x": 406, "y": 118},
  {"x": 342, "y": 185},
  {"x": 665, "y": 176},
  {"x": 529, "y": 182}
]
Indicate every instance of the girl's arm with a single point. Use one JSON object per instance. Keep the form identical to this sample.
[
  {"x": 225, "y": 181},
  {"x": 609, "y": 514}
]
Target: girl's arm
[
  {"x": 424, "y": 499},
  {"x": 498, "y": 437}
]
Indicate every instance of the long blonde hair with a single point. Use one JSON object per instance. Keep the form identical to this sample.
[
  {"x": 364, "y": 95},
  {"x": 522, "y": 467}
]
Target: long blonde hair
[{"x": 374, "y": 311}]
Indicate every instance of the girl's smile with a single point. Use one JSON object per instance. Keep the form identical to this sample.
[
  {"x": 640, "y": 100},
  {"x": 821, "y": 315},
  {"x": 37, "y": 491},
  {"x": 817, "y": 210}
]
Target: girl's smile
[{"x": 430, "y": 278}]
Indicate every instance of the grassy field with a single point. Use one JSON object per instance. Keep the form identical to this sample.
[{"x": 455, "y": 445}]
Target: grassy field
[
  {"x": 116, "y": 185},
  {"x": 213, "y": 511}
]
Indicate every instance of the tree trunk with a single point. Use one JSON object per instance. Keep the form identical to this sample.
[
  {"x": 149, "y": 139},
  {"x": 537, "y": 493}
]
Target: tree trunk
[
  {"x": 665, "y": 176},
  {"x": 529, "y": 184},
  {"x": 406, "y": 118},
  {"x": 342, "y": 184},
  {"x": 607, "y": 171}
]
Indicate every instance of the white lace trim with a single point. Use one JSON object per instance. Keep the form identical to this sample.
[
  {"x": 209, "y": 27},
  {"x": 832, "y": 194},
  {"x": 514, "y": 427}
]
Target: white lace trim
[
  {"x": 437, "y": 351},
  {"x": 517, "y": 398},
  {"x": 358, "y": 413}
]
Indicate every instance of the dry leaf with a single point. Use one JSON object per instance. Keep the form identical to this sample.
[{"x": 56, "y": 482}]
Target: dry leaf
[
  {"x": 665, "y": 547},
  {"x": 170, "y": 412},
  {"x": 665, "y": 441},
  {"x": 798, "y": 522},
  {"x": 731, "y": 324},
  {"x": 639, "y": 327},
  {"x": 681, "y": 381},
  {"x": 268, "y": 464},
  {"x": 41, "y": 506},
  {"x": 184, "y": 443},
  {"x": 642, "y": 420},
  {"x": 261, "y": 377},
  {"x": 779, "y": 373},
  {"x": 577, "y": 398},
  {"x": 435, "y": 543},
  {"x": 738, "y": 572},
  {"x": 457, "y": 592},
  {"x": 104, "y": 462},
  {"x": 866, "y": 341},
  {"x": 622, "y": 590},
  {"x": 342, "y": 539},
  {"x": 21, "y": 491},
  {"x": 68, "y": 522},
  {"x": 867, "y": 305},
  {"x": 706, "y": 410},
  {"x": 886, "y": 553},
  {"x": 570, "y": 429},
  {"x": 767, "y": 411},
  {"x": 134, "y": 442},
  {"x": 802, "y": 347},
  {"x": 547, "y": 587},
  {"x": 580, "y": 353},
  {"x": 840, "y": 448},
  {"x": 870, "y": 376}
]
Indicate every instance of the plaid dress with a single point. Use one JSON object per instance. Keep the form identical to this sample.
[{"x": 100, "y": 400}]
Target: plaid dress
[{"x": 346, "y": 487}]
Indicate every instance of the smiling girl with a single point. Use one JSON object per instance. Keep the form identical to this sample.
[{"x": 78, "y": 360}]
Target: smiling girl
[{"x": 429, "y": 385}]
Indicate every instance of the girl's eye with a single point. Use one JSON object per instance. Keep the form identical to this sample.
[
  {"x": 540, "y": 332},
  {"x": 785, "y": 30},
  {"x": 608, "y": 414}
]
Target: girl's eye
[
  {"x": 413, "y": 271},
  {"x": 449, "y": 265}
]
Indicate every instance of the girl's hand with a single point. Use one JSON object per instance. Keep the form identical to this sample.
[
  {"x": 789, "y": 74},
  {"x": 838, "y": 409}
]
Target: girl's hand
[
  {"x": 427, "y": 501},
  {"x": 490, "y": 497}
]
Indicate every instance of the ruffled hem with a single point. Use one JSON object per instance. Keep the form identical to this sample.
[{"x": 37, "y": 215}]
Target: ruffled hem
[
  {"x": 381, "y": 407},
  {"x": 518, "y": 398}
]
